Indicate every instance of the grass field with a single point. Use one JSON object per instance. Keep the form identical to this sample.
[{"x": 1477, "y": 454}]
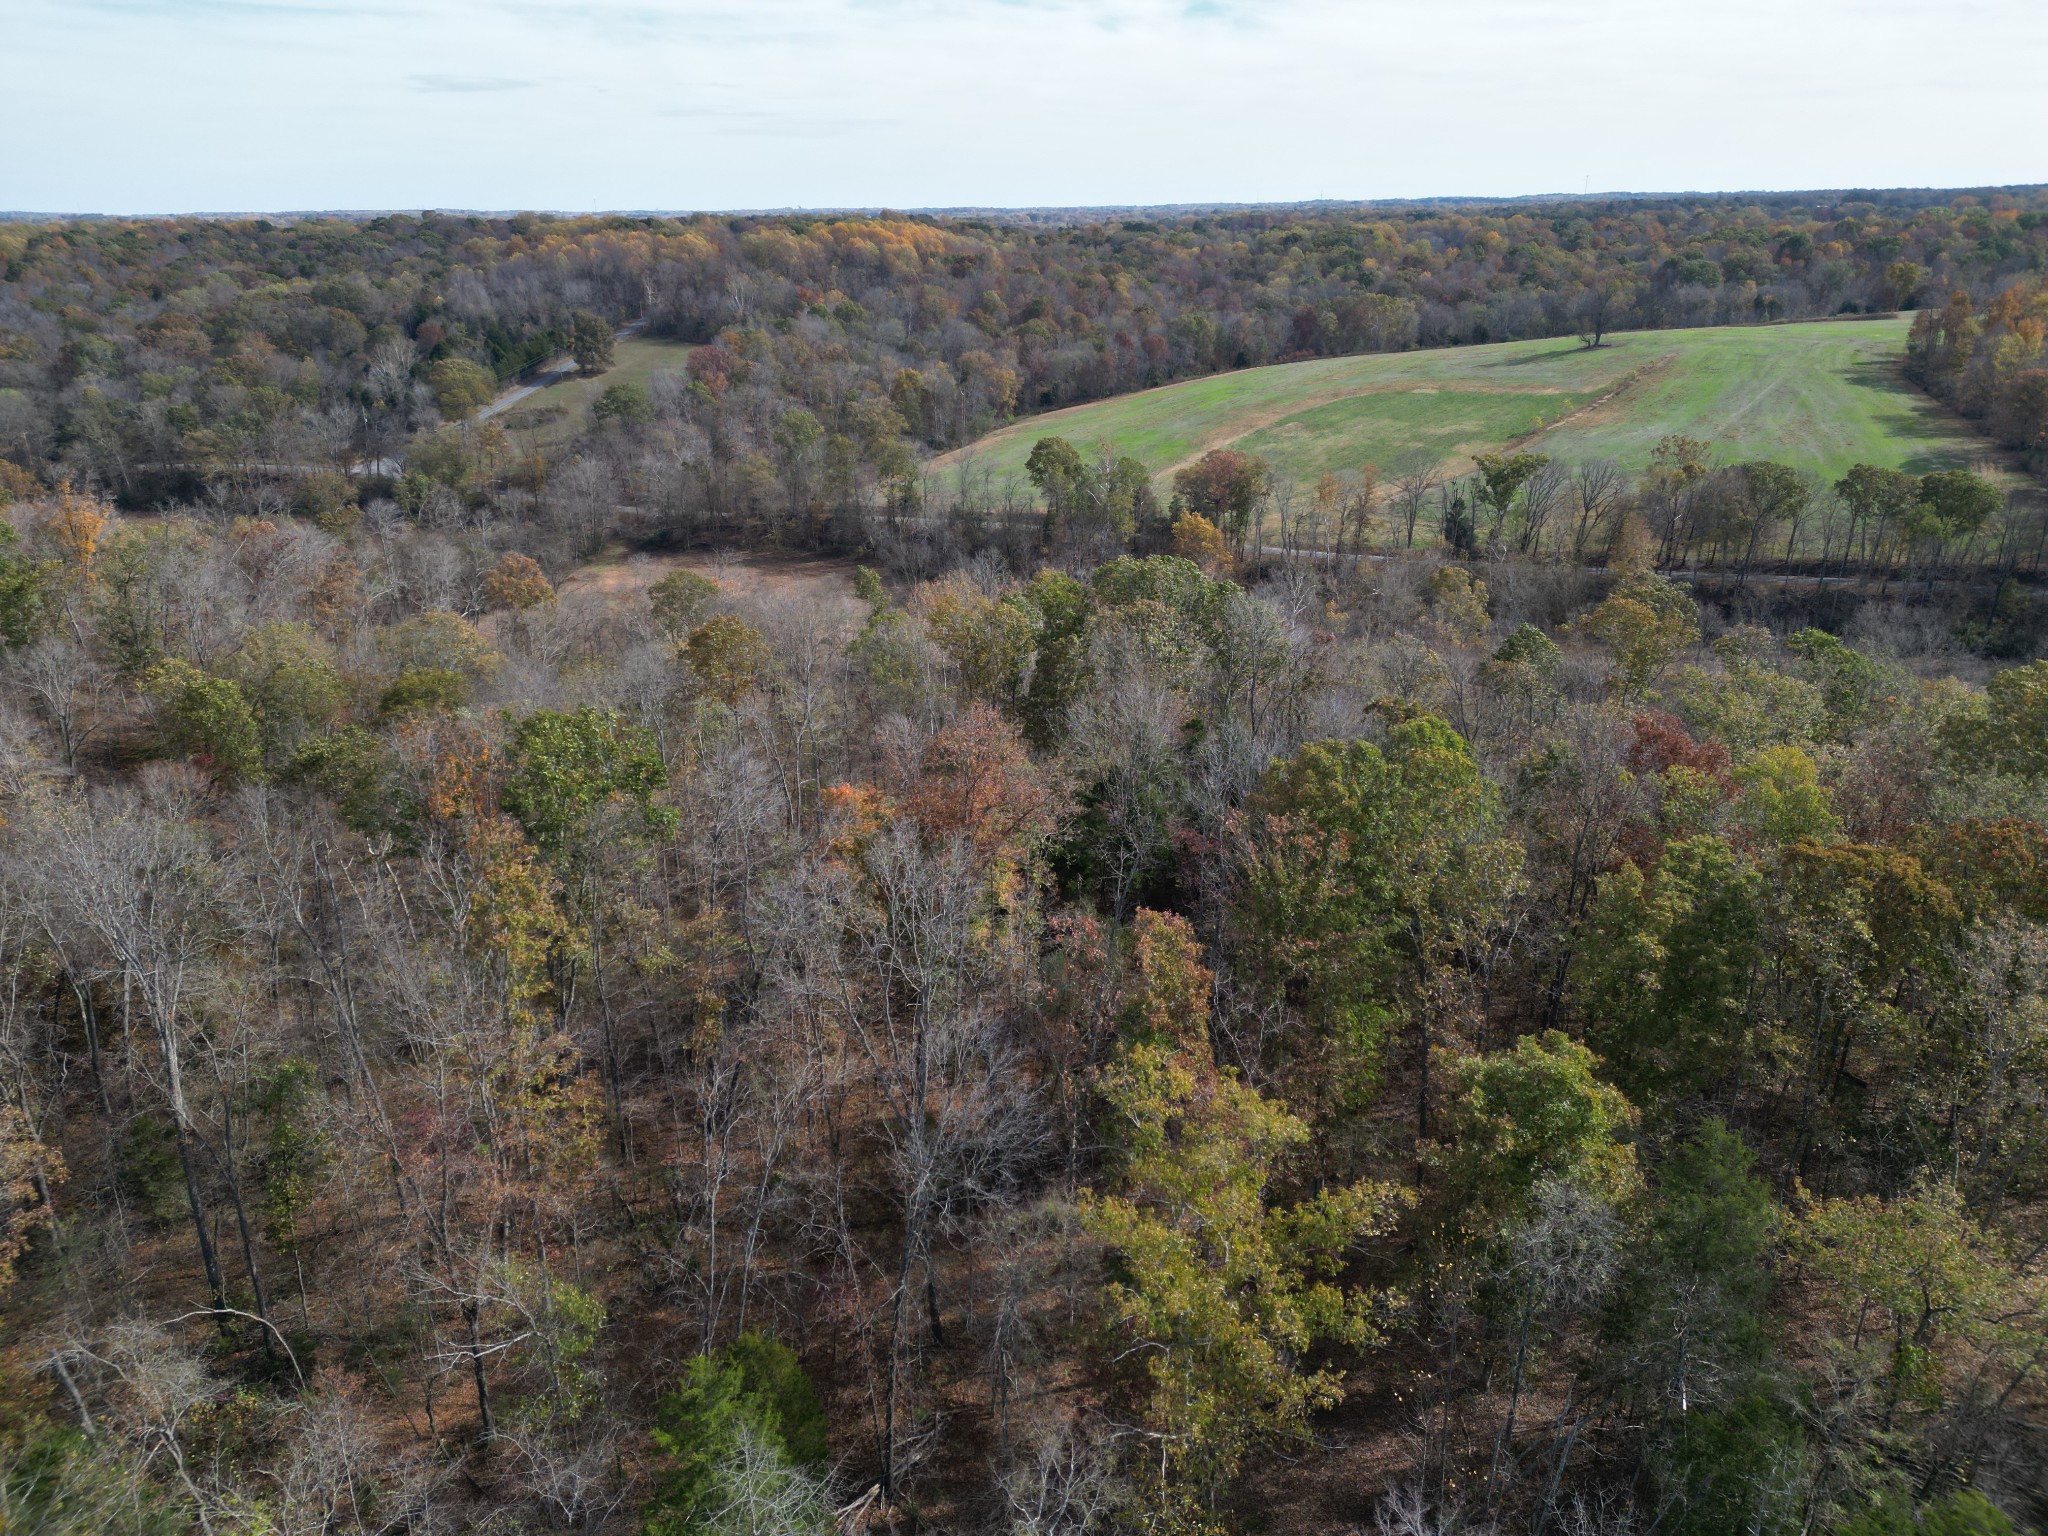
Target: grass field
[
  {"x": 1820, "y": 396},
  {"x": 562, "y": 410}
]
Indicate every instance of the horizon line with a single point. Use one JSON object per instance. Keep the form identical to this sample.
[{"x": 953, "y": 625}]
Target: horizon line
[{"x": 1018, "y": 210}]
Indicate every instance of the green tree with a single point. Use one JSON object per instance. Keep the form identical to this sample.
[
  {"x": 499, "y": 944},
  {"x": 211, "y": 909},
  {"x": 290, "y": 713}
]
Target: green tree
[
  {"x": 423, "y": 690},
  {"x": 1965, "y": 1512},
  {"x": 1954, "y": 504},
  {"x": 1129, "y": 506},
  {"x": 56, "y": 1482},
  {"x": 25, "y": 588},
  {"x": 624, "y": 404},
  {"x": 1059, "y": 474},
  {"x": 1742, "y": 1467},
  {"x": 1529, "y": 647},
  {"x": 1855, "y": 932},
  {"x": 1880, "y": 501},
  {"x": 294, "y": 1153},
  {"x": 744, "y": 1425},
  {"x": 1062, "y": 608},
  {"x": 288, "y": 675},
  {"x": 353, "y": 769},
  {"x": 1917, "y": 1293},
  {"x": 1365, "y": 870},
  {"x": 1098, "y": 507},
  {"x": 2009, "y": 734},
  {"x": 1851, "y": 684},
  {"x": 590, "y": 341},
  {"x": 566, "y": 768},
  {"x": 1178, "y": 585},
  {"x": 438, "y": 639},
  {"x": 1690, "y": 1321},
  {"x": 1523, "y": 674},
  {"x": 1458, "y": 604},
  {"x": 1227, "y": 488},
  {"x": 1646, "y": 621},
  {"x": 206, "y": 718},
  {"x": 557, "y": 1373},
  {"x": 728, "y": 657},
  {"x": 1783, "y": 799},
  {"x": 1533, "y": 1115},
  {"x": 461, "y": 388},
  {"x": 1501, "y": 478},
  {"x": 991, "y": 643},
  {"x": 1770, "y": 496},
  {"x": 680, "y": 600},
  {"x": 1218, "y": 1294},
  {"x": 327, "y": 499},
  {"x": 1670, "y": 968}
]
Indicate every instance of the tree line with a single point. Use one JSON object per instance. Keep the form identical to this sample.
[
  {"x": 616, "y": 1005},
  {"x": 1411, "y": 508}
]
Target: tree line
[
  {"x": 1690, "y": 510},
  {"x": 1986, "y": 361}
]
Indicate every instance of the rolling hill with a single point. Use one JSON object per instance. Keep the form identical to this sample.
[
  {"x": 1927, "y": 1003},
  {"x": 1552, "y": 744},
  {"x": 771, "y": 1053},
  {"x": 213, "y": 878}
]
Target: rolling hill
[{"x": 1821, "y": 396}]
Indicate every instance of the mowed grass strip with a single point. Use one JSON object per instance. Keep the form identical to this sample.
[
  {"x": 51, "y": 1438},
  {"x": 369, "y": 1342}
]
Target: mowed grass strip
[{"x": 1820, "y": 396}]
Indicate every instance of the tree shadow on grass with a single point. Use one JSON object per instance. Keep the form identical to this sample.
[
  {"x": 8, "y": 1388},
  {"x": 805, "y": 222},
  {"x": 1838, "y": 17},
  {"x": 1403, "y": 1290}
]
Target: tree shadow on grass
[
  {"x": 1882, "y": 375},
  {"x": 1928, "y": 463},
  {"x": 1553, "y": 354},
  {"x": 1911, "y": 416}
]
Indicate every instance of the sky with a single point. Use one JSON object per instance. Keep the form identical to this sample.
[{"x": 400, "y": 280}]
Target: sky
[{"x": 167, "y": 106}]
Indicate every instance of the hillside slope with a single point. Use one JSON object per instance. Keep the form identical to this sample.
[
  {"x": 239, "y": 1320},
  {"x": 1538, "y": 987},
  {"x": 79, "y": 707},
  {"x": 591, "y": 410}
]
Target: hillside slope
[{"x": 1821, "y": 395}]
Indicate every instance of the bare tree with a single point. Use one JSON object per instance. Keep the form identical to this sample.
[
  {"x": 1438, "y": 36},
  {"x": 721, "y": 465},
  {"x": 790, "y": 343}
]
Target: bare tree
[
  {"x": 1597, "y": 490},
  {"x": 132, "y": 868},
  {"x": 1541, "y": 497},
  {"x": 1413, "y": 485},
  {"x": 899, "y": 964},
  {"x": 67, "y": 684},
  {"x": 1597, "y": 310}
]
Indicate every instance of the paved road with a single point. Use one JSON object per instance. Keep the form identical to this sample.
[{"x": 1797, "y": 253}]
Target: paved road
[{"x": 557, "y": 370}]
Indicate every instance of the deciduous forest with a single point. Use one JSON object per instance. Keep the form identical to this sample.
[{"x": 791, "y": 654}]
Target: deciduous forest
[
  {"x": 699, "y": 978},
  {"x": 176, "y": 359}
]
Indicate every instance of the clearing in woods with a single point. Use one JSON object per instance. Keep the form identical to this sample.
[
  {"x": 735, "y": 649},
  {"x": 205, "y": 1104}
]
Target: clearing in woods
[
  {"x": 558, "y": 412},
  {"x": 618, "y": 579},
  {"x": 1819, "y": 395}
]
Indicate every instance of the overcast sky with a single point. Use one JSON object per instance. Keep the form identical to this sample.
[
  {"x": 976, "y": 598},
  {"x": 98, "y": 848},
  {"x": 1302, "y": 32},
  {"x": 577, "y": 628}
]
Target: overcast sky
[{"x": 148, "y": 106}]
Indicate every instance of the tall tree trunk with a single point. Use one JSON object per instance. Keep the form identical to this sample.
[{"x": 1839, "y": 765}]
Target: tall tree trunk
[
  {"x": 207, "y": 1256},
  {"x": 234, "y": 1184},
  {"x": 472, "y": 1315}
]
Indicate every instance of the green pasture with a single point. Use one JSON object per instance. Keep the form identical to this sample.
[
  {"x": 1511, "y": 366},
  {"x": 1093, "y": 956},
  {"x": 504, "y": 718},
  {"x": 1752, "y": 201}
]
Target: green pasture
[
  {"x": 563, "y": 409},
  {"x": 1820, "y": 395}
]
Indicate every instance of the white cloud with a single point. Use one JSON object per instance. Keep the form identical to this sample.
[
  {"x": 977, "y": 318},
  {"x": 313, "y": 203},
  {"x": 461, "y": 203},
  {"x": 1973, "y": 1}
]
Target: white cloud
[{"x": 133, "y": 105}]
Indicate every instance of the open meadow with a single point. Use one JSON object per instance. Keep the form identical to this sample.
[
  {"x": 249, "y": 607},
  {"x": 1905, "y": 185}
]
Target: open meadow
[
  {"x": 1819, "y": 396},
  {"x": 560, "y": 411}
]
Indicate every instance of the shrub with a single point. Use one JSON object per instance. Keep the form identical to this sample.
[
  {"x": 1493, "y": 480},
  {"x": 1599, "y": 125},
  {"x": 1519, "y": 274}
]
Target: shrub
[{"x": 423, "y": 690}]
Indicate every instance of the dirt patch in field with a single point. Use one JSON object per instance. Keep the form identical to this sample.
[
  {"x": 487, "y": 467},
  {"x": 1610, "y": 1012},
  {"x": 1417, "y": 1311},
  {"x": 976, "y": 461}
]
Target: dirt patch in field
[{"x": 619, "y": 580}]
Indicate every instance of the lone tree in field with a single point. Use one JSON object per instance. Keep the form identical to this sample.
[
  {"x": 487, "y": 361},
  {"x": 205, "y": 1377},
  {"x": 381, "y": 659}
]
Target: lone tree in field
[
  {"x": 590, "y": 342},
  {"x": 1598, "y": 310}
]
